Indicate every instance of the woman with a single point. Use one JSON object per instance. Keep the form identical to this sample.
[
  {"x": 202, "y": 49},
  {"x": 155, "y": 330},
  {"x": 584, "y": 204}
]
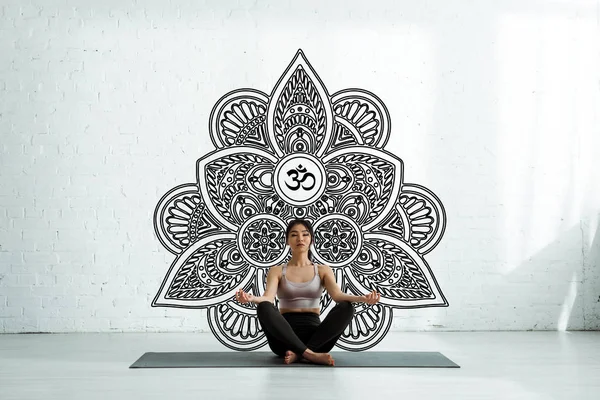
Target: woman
[{"x": 295, "y": 331}]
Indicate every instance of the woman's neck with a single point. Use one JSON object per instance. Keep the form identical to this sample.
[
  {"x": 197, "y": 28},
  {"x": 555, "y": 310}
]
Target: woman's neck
[{"x": 299, "y": 261}]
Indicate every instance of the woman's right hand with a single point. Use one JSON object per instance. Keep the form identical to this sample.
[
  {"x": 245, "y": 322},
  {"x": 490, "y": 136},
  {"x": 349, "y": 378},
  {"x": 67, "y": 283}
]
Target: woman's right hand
[{"x": 243, "y": 297}]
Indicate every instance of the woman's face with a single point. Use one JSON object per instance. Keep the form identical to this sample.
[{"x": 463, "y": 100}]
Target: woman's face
[{"x": 299, "y": 239}]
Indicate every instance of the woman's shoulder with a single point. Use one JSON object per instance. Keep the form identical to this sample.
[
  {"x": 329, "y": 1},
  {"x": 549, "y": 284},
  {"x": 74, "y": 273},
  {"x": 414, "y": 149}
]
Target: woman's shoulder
[
  {"x": 276, "y": 269},
  {"x": 323, "y": 267}
]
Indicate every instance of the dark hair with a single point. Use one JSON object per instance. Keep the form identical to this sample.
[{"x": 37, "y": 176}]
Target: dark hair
[{"x": 308, "y": 227}]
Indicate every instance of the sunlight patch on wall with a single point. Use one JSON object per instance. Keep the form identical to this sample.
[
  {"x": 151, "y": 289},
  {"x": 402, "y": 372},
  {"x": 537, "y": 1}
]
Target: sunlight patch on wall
[
  {"x": 545, "y": 92},
  {"x": 567, "y": 306}
]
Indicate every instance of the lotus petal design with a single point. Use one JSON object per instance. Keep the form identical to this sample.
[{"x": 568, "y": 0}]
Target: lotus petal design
[{"x": 299, "y": 153}]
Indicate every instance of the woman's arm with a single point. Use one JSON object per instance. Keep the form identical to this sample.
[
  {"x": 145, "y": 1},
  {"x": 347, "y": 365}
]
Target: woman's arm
[
  {"x": 271, "y": 288},
  {"x": 270, "y": 291},
  {"x": 337, "y": 295}
]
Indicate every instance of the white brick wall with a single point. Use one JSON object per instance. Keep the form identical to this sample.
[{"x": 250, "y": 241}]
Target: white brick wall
[{"x": 494, "y": 106}]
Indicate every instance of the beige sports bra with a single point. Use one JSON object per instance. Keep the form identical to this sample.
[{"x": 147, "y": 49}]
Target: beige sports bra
[{"x": 300, "y": 295}]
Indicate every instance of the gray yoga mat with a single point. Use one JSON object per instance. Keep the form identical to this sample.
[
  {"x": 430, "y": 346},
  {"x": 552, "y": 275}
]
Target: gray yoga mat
[{"x": 263, "y": 359}]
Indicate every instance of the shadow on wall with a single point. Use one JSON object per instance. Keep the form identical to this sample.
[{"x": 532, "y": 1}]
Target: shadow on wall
[
  {"x": 556, "y": 288},
  {"x": 591, "y": 276},
  {"x": 547, "y": 290}
]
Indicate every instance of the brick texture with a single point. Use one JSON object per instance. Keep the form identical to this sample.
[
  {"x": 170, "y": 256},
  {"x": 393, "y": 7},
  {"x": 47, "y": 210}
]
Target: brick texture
[{"x": 103, "y": 109}]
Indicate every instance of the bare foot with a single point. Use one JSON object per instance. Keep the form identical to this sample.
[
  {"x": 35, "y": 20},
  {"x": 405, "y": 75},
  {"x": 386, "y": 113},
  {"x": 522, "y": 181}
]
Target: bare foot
[
  {"x": 319, "y": 358},
  {"x": 290, "y": 357}
]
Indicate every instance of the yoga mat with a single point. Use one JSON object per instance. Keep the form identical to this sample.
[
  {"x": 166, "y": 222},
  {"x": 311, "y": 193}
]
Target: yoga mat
[{"x": 263, "y": 359}]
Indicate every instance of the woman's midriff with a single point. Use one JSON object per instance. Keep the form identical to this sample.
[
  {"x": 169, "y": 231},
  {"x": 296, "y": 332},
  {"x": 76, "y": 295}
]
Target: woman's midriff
[{"x": 290, "y": 310}]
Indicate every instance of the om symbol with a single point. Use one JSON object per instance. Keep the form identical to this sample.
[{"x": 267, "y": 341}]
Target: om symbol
[{"x": 299, "y": 175}]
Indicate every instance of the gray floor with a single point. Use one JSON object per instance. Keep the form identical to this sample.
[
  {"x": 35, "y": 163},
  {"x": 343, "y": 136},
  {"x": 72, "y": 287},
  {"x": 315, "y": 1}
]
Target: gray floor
[{"x": 494, "y": 365}]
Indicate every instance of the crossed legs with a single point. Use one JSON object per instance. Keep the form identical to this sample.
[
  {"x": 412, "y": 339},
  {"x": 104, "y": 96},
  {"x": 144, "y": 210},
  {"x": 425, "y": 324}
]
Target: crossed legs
[
  {"x": 332, "y": 327},
  {"x": 279, "y": 332},
  {"x": 305, "y": 336}
]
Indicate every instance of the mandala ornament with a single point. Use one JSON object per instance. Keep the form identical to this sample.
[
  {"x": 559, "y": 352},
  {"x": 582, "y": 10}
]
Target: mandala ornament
[{"x": 299, "y": 153}]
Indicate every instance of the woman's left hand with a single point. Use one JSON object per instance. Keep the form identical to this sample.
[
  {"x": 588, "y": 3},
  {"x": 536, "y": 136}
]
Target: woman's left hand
[
  {"x": 244, "y": 297},
  {"x": 372, "y": 297}
]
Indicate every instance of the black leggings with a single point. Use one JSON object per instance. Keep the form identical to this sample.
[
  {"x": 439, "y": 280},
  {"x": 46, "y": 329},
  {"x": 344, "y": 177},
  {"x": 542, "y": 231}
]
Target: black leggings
[{"x": 298, "y": 331}]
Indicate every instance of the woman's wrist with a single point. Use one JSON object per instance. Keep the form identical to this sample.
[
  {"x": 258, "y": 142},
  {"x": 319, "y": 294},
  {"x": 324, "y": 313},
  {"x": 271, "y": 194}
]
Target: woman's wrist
[{"x": 352, "y": 299}]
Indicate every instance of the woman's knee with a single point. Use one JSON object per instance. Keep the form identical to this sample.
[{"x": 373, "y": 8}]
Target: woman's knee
[
  {"x": 347, "y": 307},
  {"x": 263, "y": 307}
]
